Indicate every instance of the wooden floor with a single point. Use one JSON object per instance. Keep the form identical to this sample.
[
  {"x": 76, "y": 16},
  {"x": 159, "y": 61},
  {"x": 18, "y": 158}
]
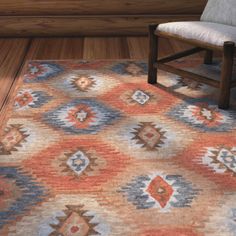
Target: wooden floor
[{"x": 14, "y": 53}]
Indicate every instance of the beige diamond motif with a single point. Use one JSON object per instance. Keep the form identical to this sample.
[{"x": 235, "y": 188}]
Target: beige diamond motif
[{"x": 150, "y": 136}]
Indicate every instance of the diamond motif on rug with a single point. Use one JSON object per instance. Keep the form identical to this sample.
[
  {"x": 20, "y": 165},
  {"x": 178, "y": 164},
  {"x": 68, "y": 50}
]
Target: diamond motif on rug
[
  {"x": 204, "y": 115},
  {"x": 130, "y": 68},
  {"x": 213, "y": 156},
  {"x": 38, "y": 71},
  {"x": 149, "y": 136},
  {"x": 79, "y": 161},
  {"x": 66, "y": 213},
  {"x": 221, "y": 160},
  {"x": 140, "y": 97},
  {"x": 95, "y": 163},
  {"x": 82, "y": 116},
  {"x": 30, "y": 99},
  {"x": 83, "y": 83},
  {"x": 160, "y": 191},
  {"x": 23, "y": 193},
  {"x": 75, "y": 222},
  {"x": 28, "y": 142},
  {"x": 12, "y": 139}
]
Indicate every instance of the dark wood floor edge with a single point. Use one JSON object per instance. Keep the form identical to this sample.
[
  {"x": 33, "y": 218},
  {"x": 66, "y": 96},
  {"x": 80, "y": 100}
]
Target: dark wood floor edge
[
  {"x": 4, "y": 108},
  {"x": 126, "y": 47}
]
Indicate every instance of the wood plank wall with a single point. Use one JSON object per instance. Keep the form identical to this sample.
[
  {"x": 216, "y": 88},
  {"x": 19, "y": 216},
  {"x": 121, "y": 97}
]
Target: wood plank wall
[{"x": 91, "y": 17}]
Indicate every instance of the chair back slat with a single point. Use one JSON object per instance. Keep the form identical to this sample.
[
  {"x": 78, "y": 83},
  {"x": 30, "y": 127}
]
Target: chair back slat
[{"x": 220, "y": 11}]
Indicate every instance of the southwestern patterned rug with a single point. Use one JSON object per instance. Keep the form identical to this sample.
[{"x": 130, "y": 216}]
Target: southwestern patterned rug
[{"x": 89, "y": 148}]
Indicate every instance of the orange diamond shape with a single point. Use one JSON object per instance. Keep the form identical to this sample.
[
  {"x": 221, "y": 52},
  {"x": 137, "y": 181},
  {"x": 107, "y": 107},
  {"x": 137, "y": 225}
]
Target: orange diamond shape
[{"x": 160, "y": 190}]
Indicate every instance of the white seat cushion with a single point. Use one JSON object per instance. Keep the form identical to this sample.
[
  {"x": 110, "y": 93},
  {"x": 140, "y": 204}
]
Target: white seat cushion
[{"x": 211, "y": 33}]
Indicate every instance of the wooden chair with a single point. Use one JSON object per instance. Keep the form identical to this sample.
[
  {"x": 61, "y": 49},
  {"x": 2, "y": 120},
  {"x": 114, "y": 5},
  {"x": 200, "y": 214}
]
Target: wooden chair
[{"x": 216, "y": 31}]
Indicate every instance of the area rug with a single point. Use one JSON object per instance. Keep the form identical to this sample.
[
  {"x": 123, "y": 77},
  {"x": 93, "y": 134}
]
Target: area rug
[{"x": 89, "y": 148}]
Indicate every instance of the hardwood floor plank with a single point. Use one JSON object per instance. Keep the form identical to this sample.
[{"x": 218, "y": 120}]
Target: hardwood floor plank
[
  {"x": 106, "y": 48},
  {"x": 178, "y": 46},
  {"x": 72, "y": 48},
  {"x": 56, "y": 49},
  {"x": 11, "y": 56},
  {"x": 165, "y": 47},
  {"x": 97, "y": 48},
  {"x": 138, "y": 47}
]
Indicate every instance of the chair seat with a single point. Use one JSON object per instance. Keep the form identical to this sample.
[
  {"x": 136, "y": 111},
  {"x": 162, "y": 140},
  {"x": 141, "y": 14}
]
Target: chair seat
[{"x": 206, "y": 32}]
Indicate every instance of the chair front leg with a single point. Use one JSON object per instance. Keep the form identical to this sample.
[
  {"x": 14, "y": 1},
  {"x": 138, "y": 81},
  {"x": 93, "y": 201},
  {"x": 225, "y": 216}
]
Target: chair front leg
[
  {"x": 226, "y": 75},
  {"x": 153, "y": 54}
]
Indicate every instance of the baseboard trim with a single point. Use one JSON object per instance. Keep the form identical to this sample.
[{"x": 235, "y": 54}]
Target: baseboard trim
[{"x": 40, "y": 26}]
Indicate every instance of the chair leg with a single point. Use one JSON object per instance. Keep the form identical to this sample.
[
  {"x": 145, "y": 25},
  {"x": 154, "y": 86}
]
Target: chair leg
[
  {"x": 226, "y": 75},
  {"x": 208, "y": 59},
  {"x": 153, "y": 54}
]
